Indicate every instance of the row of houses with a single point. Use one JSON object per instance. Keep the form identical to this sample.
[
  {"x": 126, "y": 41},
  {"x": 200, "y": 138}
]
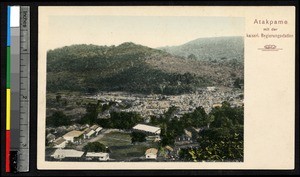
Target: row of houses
[
  {"x": 72, "y": 154},
  {"x": 74, "y": 136}
]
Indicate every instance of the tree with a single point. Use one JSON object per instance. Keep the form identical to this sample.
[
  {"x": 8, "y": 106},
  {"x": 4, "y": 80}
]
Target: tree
[
  {"x": 223, "y": 140},
  {"x": 199, "y": 117},
  {"x": 58, "y": 98},
  {"x": 226, "y": 116},
  {"x": 192, "y": 57},
  {"x": 57, "y": 119},
  {"x": 92, "y": 111},
  {"x": 219, "y": 144},
  {"x": 238, "y": 82},
  {"x": 154, "y": 120},
  {"x": 138, "y": 137},
  {"x": 95, "y": 147},
  {"x": 125, "y": 120},
  {"x": 166, "y": 135}
]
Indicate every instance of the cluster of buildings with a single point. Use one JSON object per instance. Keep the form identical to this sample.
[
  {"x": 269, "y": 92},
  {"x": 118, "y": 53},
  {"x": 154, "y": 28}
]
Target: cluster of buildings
[
  {"x": 155, "y": 105},
  {"x": 73, "y": 154},
  {"x": 146, "y": 106},
  {"x": 186, "y": 140},
  {"x": 73, "y": 136},
  {"x": 87, "y": 130},
  {"x": 77, "y": 137}
]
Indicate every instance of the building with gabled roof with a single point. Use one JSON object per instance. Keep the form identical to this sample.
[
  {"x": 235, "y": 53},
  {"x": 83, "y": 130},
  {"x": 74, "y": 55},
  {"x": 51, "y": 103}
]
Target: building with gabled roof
[
  {"x": 147, "y": 129},
  {"x": 96, "y": 128},
  {"x": 59, "y": 143},
  {"x": 74, "y": 136},
  {"x": 100, "y": 155},
  {"x": 151, "y": 153},
  {"x": 88, "y": 133},
  {"x": 67, "y": 153}
]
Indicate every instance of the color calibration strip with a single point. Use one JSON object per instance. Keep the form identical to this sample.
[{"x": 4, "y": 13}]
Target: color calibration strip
[
  {"x": 7, "y": 146},
  {"x": 14, "y": 87},
  {"x": 17, "y": 89}
]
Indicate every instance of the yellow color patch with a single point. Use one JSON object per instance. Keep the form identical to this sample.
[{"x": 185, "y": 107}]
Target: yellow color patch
[{"x": 8, "y": 109}]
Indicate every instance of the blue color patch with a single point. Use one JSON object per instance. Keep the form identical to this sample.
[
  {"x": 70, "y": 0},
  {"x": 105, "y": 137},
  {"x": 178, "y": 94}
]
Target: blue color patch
[{"x": 8, "y": 25}]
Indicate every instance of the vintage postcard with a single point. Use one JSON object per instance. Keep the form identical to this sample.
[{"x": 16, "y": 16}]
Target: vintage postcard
[{"x": 162, "y": 87}]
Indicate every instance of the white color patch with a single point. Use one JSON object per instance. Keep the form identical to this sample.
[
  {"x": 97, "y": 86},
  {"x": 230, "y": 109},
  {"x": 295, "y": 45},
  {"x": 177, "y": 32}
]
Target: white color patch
[{"x": 15, "y": 16}]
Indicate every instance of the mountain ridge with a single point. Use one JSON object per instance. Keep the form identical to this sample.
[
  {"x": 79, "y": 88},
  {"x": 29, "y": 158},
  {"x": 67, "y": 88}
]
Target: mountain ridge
[
  {"x": 133, "y": 68},
  {"x": 210, "y": 48}
]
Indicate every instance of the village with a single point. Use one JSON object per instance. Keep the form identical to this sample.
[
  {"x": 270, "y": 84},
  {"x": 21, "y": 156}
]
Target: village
[
  {"x": 157, "y": 104},
  {"x": 69, "y": 146},
  {"x": 67, "y": 143}
]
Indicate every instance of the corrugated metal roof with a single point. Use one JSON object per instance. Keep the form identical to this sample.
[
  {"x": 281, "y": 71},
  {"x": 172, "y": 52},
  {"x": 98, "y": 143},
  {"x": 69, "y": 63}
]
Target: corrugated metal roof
[
  {"x": 94, "y": 127},
  {"x": 96, "y": 154},
  {"x": 90, "y": 132},
  {"x": 73, "y": 133},
  {"x": 147, "y": 128},
  {"x": 67, "y": 153},
  {"x": 59, "y": 140}
]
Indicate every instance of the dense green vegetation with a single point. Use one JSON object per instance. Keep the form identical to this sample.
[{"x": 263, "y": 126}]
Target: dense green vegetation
[
  {"x": 58, "y": 119},
  {"x": 119, "y": 120},
  {"x": 91, "y": 68},
  {"x": 223, "y": 140},
  {"x": 95, "y": 147},
  {"x": 221, "y": 136},
  {"x": 211, "y": 49},
  {"x": 172, "y": 126},
  {"x": 138, "y": 137}
]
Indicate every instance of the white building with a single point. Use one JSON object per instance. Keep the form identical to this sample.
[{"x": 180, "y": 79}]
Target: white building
[
  {"x": 151, "y": 153},
  {"x": 147, "y": 129},
  {"x": 96, "y": 128},
  {"x": 67, "y": 153},
  {"x": 88, "y": 133},
  {"x": 100, "y": 155},
  {"x": 59, "y": 143},
  {"x": 74, "y": 136}
]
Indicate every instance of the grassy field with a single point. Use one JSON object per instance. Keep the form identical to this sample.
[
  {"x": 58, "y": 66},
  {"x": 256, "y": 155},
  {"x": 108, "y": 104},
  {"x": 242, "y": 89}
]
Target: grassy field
[{"x": 121, "y": 147}]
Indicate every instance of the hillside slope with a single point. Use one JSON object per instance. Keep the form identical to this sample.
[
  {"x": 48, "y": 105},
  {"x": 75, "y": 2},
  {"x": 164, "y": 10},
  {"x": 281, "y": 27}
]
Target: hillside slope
[
  {"x": 210, "y": 49},
  {"x": 132, "y": 68}
]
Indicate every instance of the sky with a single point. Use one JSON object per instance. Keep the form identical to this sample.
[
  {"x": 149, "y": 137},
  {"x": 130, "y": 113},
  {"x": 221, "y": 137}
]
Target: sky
[{"x": 151, "y": 31}]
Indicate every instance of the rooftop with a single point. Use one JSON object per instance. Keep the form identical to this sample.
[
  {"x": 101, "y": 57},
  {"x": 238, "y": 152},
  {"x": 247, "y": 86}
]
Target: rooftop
[
  {"x": 67, "y": 153},
  {"x": 96, "y": 154},
  {"x": 147, "y": 128},
  {"x": 151, "y": 151},
  {"x": 94, "y": 127},
  {"x": 59, "y": 141},
  {"x": 73, "y": 133}
]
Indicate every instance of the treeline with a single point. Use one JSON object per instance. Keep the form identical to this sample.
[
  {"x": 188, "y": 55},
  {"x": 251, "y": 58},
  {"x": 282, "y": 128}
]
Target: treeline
[
  {"x": 172, "y": 126},
  {"x": 119, "y": 120},
  {"x": 90, "y": 68},
  {"x": 223, "y": 140},
  {"x": 221, "y": 135}
]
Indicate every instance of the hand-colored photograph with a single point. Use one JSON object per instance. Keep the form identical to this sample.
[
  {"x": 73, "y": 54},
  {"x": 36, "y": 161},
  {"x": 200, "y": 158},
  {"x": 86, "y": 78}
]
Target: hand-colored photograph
[{"x": 145, "y": 89}]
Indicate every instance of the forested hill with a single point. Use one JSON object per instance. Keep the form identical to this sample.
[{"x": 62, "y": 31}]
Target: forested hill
[
  {"x": 132, "y": 68},
  {"x": 211, "y": 49}
]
